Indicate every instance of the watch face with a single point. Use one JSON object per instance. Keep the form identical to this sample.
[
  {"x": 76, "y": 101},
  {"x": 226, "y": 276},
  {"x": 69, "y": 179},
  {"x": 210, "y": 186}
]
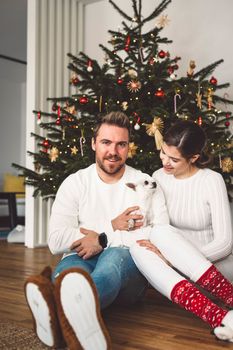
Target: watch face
[{"x": 103, "y": 241}]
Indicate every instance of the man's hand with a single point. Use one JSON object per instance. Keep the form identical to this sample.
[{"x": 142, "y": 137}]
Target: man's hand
[
  {"x": 87, "y": 246},
  {"x": 150, "y": 246},
  {"x": 121, "y": 221}
]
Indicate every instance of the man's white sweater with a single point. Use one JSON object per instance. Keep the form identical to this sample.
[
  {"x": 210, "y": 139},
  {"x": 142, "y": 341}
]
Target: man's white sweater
[{"x": 84, "y": 200}]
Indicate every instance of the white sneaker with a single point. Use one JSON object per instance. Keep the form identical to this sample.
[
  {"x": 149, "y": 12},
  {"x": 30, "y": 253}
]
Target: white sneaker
[
  {"x": 39, "y": 292},
  {"x": 79, "y": 311},
  {"x": 225, "y": 331}
]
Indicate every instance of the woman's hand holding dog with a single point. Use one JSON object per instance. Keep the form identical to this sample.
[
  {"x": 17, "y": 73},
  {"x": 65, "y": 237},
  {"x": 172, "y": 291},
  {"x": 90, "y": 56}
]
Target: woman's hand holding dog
[
  {"x": 121, "y": 222},
  {"x": 150, "y": 246}
]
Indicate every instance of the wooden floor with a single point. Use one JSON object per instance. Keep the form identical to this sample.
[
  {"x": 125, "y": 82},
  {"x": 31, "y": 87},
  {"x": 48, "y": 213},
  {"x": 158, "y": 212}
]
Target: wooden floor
[{"x": 153, "y": 324}]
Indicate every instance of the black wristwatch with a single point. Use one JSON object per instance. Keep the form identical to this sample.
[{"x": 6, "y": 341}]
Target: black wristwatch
[{"x": 103, "y": 240}]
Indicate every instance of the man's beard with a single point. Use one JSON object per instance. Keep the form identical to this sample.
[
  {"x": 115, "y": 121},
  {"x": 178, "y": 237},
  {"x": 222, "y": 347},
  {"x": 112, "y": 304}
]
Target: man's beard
[{"x": 114, "y": 170}]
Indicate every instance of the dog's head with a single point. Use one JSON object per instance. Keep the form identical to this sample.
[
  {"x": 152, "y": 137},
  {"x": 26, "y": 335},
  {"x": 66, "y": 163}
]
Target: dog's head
[{"x": 144, "y": 187}]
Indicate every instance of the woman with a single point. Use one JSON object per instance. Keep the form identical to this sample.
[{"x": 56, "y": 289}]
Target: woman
[{"x": 199, "y": 212}]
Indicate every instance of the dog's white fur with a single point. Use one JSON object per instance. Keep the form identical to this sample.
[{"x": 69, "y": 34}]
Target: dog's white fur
[
  {"x": 151, "y": 202},
  {"x": 145, "y": 190}
]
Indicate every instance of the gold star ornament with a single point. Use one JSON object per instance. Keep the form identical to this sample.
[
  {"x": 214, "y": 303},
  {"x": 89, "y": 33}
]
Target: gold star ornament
[
  {"x": 132, "y": 150},
  {"x": 227, "y": 165},
  {"x": 74, "y": 150},
  {"x": 53, "y": 154},
  {"x": 163, "y": 21}
]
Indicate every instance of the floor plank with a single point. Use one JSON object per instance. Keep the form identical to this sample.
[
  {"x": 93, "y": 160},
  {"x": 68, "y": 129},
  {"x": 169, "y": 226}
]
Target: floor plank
[{"x": 155, "y": 323}]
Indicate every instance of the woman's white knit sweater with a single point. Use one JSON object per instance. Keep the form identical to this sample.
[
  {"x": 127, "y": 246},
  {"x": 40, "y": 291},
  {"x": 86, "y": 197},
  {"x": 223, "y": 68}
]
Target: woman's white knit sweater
[{"x": 199, "y": 206}]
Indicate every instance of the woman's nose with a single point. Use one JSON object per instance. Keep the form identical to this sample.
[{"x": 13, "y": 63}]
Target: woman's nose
[{"x": 165, "y": 159}]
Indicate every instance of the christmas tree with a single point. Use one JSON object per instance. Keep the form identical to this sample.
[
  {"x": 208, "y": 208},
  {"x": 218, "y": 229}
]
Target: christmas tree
[{"x": 139, "y": 78}]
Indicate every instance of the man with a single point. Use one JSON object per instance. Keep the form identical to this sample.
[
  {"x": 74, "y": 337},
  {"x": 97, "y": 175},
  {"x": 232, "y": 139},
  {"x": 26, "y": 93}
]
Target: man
[{"x": 89, "y": 207}]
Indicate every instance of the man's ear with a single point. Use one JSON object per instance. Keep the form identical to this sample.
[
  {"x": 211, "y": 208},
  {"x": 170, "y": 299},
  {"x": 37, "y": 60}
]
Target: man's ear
[
  {"x": 194, "y": 158},
  {"x": 93, "y": 144},
  {"x": 131, "y": 185}
]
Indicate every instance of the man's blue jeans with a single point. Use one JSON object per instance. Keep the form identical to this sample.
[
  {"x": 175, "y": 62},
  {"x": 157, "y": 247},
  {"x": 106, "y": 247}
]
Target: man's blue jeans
[{"x": 113, "y": 272}]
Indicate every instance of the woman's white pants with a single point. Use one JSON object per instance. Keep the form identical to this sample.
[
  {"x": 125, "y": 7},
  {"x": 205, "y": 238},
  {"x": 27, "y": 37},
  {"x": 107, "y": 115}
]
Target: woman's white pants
[{"x": 182, "y": 255}]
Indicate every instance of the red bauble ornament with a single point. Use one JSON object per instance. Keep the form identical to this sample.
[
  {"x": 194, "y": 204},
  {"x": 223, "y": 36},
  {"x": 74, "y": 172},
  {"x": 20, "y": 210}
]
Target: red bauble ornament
[
  {"x": 46, "y": 143},
  {"x": 162, "y": 54},
  {"x": 227, "y": 123},
  {"x": 159, "y": 93},
  {"x": 170, "y": 70},
  {"x": 228, "y": 115},
  {"x": 58, "y": 121},
  {"x": 120, "y": 81},
  {"x": 75, "y": 81},
  {"x": 213, "y": 81},
  {"x": 83, "y": 100}
]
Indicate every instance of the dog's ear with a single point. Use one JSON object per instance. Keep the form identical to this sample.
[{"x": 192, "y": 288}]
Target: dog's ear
[{"x": 131, "y": 185}]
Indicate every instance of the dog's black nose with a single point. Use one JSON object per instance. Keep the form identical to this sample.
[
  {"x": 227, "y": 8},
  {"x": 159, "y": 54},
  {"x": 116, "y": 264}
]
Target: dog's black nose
[{"x": 154, "y": 184}]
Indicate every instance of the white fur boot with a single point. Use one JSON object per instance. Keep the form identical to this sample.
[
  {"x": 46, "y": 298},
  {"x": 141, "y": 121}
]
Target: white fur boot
[{"x": 225, "y": 331}]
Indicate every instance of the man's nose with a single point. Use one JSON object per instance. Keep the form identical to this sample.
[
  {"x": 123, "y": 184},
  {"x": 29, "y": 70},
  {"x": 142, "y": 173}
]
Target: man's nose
[{"x": 113, "y": 148}]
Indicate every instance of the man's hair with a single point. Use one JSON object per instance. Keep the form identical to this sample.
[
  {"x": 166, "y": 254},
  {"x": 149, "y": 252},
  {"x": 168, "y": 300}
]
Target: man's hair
[{"x": 113, "y": 118}]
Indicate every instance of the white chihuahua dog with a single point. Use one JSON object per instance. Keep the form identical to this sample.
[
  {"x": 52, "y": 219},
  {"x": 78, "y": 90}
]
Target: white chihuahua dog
[
  {"x": 145, "y": 190},
  {"x": 150, "y": 199}
]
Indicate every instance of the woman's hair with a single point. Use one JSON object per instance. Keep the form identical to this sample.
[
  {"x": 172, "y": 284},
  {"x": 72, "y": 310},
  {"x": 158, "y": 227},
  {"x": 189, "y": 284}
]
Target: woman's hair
[
  {"x": 113, "y": 118},
  {"x": 190, "y": 139}
]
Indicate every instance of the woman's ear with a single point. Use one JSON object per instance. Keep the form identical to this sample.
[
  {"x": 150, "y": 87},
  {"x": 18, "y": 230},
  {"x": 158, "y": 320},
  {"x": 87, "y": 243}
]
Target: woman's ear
[
  {"x": 194, "y": 158},
  {"x": 93, "y": 144}
]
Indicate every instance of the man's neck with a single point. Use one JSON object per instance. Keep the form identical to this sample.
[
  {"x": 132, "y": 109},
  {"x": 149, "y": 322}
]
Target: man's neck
[{"x": 110, "y": 178}]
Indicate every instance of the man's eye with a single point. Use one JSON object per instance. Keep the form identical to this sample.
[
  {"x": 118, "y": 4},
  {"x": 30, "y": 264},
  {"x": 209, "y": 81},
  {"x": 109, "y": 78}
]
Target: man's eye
[{"x": 122, "y": 144}]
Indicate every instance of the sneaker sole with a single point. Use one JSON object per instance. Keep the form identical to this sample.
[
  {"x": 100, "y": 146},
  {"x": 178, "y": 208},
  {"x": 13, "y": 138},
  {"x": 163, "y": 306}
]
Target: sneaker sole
[
  {"x": 39, "y": 293},
  {"x": 80, "y": 312},
  {"x": 40, "y": 312}
]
